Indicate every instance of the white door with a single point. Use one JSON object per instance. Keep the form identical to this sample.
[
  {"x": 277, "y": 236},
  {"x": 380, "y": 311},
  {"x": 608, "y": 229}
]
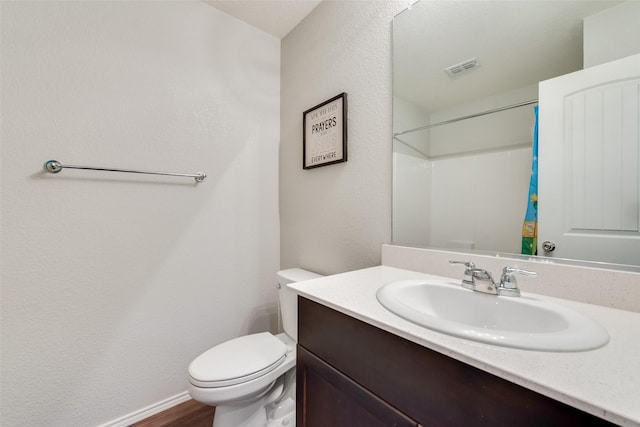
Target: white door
[{"x": 589, "y": 163}]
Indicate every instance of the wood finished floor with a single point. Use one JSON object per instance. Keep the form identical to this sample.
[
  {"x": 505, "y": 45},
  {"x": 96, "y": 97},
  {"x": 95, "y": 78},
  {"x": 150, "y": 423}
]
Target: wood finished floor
[{"x": 187, "y": 414}]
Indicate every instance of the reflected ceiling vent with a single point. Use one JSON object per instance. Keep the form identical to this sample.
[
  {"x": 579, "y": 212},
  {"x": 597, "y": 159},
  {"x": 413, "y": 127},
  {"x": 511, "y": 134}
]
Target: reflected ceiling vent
[{"x": 463, "y": 67}]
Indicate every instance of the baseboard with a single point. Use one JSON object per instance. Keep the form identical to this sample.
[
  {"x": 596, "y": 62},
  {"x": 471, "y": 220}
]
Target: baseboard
[{"x": 148, "y": 411}]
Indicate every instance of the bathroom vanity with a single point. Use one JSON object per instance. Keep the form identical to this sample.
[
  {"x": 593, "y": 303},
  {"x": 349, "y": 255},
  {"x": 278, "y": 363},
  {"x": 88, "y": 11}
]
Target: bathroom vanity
[
  {"x": 360, "y": 365},
  {"x": 354, "y": 374}
]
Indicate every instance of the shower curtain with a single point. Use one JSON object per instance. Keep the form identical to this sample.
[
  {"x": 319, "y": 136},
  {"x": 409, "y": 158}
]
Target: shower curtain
[{"x": 530, "y": 225}]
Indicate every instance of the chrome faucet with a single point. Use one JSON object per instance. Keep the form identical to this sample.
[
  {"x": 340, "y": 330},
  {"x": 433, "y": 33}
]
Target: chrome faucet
[
  {"x": 479, "y": 279},
  {"x": 467, "y": 280},
  {"x": 508, "y": 285}
]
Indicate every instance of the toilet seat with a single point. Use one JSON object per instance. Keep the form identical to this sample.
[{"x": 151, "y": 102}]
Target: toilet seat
[{"x": 237, "y": 361}]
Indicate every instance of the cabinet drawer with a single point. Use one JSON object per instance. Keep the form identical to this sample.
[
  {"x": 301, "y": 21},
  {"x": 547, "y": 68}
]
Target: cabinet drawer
[{"x": 427, "y": 386}]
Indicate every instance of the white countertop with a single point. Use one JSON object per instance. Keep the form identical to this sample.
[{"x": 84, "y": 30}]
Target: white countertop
[{"x": 604, "y": 382}]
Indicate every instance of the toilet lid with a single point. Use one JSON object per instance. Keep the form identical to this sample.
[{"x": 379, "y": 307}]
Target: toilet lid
[{"x": 238, "y": 360}]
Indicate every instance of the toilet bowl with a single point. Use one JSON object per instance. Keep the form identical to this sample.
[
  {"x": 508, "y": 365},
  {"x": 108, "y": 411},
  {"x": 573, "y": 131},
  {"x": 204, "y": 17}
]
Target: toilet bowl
[{"x": 251, "y": 379}]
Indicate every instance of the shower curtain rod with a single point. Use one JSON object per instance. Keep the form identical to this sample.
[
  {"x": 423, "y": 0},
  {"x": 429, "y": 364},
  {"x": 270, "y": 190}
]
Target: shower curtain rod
[
  {"x": 54, "y": 166},
  {"x": 471, "y": 116}
]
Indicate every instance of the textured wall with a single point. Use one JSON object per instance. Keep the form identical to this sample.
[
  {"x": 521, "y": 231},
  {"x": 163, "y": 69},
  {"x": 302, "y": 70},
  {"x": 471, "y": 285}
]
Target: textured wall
[
  {"x": 113, "y": 283},
  {"x": 612, "y": 34},
  {"x": 334, "y": 218}
]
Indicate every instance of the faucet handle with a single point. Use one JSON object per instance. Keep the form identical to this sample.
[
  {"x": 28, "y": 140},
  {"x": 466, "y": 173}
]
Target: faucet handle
[
  {"x": 468, "y": 264},
  {"x": 512, "y": 270},
  {"x": 467, "y": 281},
  {"x": 508, "y": 284}
]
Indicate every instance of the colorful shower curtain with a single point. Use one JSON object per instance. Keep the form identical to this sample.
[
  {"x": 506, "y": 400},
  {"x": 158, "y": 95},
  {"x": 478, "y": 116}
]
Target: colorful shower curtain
[{"x": 530, "y": 225}]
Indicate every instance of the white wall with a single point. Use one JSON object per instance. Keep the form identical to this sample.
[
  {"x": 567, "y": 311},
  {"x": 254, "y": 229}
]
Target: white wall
[
  {"x": 612, "y": 34},
  {"x": 411, "y": 196},
  {"x": 113, "y": 283},
  {"x": 479, "y": 196},
  {"x": 474, "y": 201},
  {"x": 334, "y": 218},
  {"x": 497, "y": 131},
  {"x": 472, "y": 191},
  {"x": 411, "y": 175},
  {"x": 479, "y": 201},
  {"x": 408, "y": 116}
]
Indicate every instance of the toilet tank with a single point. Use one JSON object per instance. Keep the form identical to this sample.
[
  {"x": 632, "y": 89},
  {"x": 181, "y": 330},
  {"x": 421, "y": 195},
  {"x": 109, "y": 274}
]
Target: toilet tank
[{"x": 289, "y": 300}]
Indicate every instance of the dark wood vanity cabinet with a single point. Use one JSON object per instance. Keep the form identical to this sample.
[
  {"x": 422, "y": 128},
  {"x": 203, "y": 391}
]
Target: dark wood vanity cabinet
[
  {"x": 332, "y": 399},
  {"x": 352, "y": 374}
]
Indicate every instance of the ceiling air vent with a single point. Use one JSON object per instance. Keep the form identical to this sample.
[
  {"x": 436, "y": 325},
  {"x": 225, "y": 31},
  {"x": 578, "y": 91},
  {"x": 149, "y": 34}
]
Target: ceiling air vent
[{"x": 456, "y": 70}]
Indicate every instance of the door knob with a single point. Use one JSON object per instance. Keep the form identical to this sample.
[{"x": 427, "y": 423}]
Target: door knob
[{"x": 548, "y": 246}]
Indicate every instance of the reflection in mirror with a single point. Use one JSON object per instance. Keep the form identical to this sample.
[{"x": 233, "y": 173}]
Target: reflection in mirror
[{"x": 465, "y": 83}]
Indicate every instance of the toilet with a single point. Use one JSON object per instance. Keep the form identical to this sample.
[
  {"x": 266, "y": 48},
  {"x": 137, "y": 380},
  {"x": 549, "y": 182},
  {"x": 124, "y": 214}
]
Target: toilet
[{"x": 251, "y": 379}]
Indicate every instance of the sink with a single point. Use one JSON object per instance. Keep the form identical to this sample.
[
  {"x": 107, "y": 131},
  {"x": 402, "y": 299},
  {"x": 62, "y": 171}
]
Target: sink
[{"x": 522, "y": 322}]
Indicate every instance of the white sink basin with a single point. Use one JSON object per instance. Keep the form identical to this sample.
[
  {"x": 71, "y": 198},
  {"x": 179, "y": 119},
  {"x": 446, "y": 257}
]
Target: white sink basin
[{"x": 521, "y": 322}]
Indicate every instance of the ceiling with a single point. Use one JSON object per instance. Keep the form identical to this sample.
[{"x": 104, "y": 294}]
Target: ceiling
[
  {"x": 276, "y": 17},
  {"x": 517, "y": 43}
]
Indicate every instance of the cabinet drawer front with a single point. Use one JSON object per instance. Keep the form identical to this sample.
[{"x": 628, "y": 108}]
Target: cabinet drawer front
[
  {"x": 331, "y": 399},
  {"x": 427, "y": 386}
]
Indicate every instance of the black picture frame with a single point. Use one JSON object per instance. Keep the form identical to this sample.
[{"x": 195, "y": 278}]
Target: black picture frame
[{"x": 324, "y": 133}]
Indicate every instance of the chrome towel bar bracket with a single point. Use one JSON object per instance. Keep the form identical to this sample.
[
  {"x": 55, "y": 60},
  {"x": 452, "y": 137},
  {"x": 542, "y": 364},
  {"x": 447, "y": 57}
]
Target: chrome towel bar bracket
[{"x": 54, "y": 166}]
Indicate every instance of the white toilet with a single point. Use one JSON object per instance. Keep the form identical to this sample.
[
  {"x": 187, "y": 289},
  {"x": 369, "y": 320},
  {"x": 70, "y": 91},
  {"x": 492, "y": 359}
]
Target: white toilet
[{"x": 251, "y": 379}]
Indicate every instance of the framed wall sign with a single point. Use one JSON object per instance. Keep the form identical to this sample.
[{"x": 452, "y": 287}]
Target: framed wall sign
[{"x": 324, "y": 139}]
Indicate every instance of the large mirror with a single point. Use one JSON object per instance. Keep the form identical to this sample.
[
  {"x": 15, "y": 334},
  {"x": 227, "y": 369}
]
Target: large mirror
[{"x": 465, "y": 86}]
